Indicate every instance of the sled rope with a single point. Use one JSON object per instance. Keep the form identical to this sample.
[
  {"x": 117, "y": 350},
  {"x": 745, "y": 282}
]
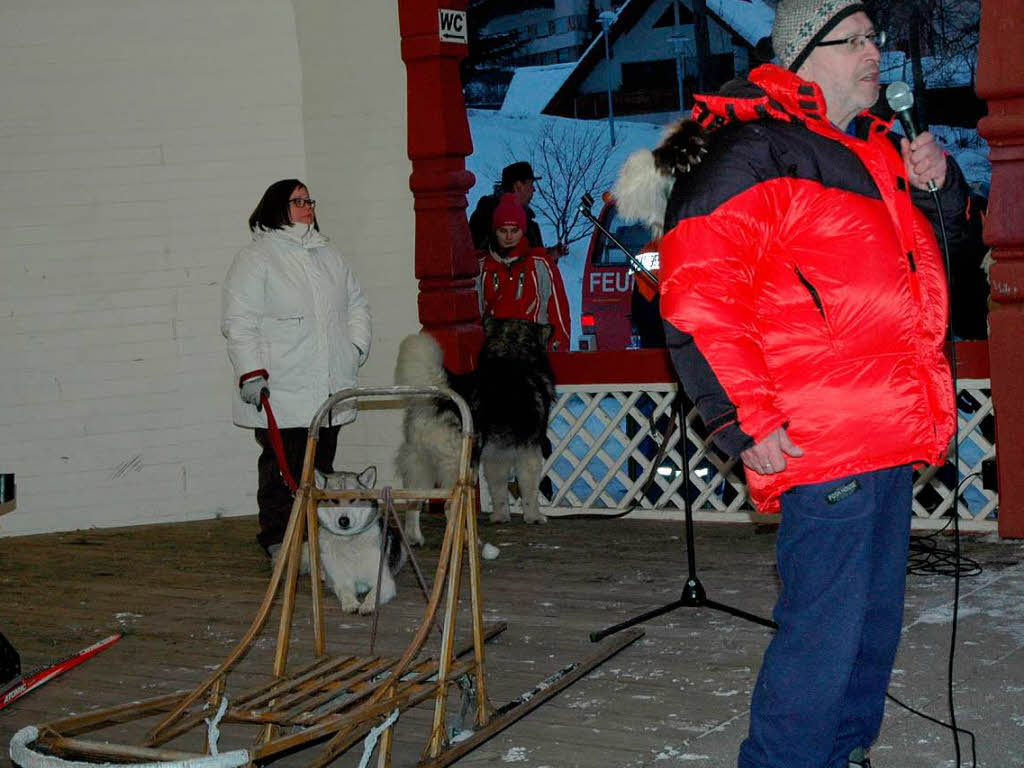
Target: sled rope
[
  {"x": 370, "y": 742},
  {"x": 212, "y": 731}
]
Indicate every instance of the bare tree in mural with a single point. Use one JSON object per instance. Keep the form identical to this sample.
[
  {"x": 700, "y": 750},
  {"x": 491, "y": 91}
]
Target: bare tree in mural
[
  {"x": 572, "y": 158},
  {"x": 943, "y": 32},
  {"x": 941, "y": 35}
]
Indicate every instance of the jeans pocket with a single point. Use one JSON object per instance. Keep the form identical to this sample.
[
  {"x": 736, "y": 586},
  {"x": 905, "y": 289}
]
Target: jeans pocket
[{"x": 842, "y": 499}]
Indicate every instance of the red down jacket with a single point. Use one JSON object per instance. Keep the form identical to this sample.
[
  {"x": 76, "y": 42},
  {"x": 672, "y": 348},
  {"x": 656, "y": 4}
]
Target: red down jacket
[
  {"x": 804, "y": 287},
  {"x": 524, "y": 285}
]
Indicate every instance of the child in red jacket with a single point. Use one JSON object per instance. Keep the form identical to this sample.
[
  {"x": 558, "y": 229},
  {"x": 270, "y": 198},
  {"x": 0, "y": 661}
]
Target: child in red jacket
[{"x": 519, "y": 281}]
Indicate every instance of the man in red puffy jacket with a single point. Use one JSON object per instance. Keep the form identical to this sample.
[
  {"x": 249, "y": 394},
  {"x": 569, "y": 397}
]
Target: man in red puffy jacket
[
  {"x": 519, "y": 281},
  {"x": 804, "y": 300}
]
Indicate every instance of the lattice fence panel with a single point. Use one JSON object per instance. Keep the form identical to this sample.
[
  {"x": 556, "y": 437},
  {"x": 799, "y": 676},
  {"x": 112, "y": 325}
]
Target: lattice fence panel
[
  {"x": 605, "y": 439},
  {"x": 934, "y": 487}
]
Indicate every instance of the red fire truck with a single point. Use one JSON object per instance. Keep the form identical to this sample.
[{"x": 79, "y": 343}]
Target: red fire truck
[{"x": 613, "y": 315}]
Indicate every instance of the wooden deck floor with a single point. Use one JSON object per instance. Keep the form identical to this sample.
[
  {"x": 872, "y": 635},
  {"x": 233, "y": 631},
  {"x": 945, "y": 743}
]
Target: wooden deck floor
[{"x": 184, "y": 594}]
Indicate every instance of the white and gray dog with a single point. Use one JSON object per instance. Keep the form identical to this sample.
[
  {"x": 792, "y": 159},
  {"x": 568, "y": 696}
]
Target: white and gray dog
[
  {"x": 509, "y": 396},
  {"x": 352, "y": 534}
]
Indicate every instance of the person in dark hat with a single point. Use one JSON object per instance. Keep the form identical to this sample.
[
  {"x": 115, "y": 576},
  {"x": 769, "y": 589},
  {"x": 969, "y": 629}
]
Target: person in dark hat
[
  {"x": 804, "y": 301},
  {"x": 516, "y": 179}
]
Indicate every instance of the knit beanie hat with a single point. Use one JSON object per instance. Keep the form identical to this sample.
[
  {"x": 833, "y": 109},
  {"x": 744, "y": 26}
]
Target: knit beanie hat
[
  {"x": 509, "y": 212},
  {"x": 802, "y": 24}
]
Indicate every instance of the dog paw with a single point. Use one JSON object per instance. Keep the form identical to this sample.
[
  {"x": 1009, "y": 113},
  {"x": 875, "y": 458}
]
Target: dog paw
[
  {"x": 349, "y": 603},
  {"x": 415, "y": 538},
  {"x": 387, "y": 594},
  {"x": 540, "y": 518},
  {"x": 500, "y": 517},
  {"x": 366, "y": 607}
]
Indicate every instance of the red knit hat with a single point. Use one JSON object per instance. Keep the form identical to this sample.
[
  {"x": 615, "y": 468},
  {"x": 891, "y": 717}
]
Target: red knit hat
[{"x": 509, "y": 212}]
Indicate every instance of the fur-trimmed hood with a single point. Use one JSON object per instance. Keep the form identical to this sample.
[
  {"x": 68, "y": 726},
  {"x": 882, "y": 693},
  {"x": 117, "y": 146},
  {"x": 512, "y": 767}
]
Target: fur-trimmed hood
[{"x": 645, "y": 181}]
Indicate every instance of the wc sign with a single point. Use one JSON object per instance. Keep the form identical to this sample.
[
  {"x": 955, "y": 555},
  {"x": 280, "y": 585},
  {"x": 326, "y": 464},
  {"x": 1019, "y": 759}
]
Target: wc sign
[{"x": 452, "y": 26}]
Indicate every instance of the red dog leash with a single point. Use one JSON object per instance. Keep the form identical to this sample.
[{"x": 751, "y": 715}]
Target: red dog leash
[{"x": 275, "y": 440}]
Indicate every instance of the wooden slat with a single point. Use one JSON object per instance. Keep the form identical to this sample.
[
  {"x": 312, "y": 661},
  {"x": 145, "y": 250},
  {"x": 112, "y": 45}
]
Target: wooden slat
[
  {"x": 276, "y": 687},
  {"x": 504, "y": 717},
  {"x": 120, "y": 752}
]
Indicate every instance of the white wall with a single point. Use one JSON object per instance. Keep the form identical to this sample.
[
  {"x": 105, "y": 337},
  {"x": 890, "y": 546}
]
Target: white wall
[
  {"x": 354, "y": 106},
  {"x": 135, "y": 138}
]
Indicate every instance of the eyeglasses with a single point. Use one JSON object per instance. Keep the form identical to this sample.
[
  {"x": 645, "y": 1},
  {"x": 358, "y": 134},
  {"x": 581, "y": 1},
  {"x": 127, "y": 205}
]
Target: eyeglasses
[
  {"x": 302, "y": 202},
  {"x": 856, "y": 43}
]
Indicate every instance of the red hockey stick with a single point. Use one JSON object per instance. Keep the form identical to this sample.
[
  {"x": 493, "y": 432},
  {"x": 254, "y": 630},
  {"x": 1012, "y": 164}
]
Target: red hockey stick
[{"x": 32, "y": 680}]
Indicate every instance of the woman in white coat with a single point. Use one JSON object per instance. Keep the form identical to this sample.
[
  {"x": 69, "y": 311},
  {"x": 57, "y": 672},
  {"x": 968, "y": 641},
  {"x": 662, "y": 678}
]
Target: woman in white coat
[{"x": 298, "y": 325}]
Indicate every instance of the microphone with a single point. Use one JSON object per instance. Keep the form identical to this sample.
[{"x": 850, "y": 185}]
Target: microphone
[{"x": 901, "y": 99}]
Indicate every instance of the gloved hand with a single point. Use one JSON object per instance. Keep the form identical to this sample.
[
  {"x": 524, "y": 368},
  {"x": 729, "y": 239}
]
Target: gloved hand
[
  {"x": 557, "y": 251},
  {"x": 683, "y": 148},
  {"x": 250, "y": 391}
]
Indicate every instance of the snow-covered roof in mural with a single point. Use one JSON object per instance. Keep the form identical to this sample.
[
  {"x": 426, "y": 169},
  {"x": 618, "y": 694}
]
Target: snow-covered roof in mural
[
  {"x": 750, "y": 20},
  {"x": 532, "y": 88}
]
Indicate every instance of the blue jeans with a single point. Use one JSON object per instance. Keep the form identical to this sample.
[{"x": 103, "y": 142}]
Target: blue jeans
[{"x": 842, "y": 558}]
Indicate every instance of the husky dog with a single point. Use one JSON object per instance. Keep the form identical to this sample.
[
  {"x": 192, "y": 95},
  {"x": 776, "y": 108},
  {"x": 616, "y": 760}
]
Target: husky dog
[
  {"x": 351, "y": 536},
  {"x": 509, "y": 395}
]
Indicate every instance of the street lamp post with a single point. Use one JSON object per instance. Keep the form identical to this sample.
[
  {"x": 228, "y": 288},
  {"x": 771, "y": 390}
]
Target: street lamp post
[
  {"x": 606, "y": 18},
  {"x": 678, "y": 46},
  {"x": 678, "y": 39}
]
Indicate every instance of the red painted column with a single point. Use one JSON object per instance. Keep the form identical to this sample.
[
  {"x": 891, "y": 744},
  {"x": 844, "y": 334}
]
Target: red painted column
[
  {"x": 1001, "y": 84},
  {"x": 438, "y": 142}
]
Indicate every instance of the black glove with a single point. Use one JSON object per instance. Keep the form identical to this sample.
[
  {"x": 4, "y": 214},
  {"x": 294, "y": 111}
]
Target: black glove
[{"x": 684, "y": 147}]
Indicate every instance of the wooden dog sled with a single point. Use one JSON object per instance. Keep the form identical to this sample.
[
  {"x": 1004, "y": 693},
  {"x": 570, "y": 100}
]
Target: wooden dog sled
[{"x": 331, "y": 702}]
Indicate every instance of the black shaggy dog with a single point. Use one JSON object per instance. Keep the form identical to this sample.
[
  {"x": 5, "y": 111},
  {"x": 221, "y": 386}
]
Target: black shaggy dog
[{"x": 509, "y": 395}]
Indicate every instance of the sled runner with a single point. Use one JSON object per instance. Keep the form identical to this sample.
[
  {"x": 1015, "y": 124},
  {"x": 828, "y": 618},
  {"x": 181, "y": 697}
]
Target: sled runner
[{"x": 332, "y": 702}]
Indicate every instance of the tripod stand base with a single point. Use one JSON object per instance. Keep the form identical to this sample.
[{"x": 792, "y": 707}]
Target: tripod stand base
[{"x": 693, "y": 596}]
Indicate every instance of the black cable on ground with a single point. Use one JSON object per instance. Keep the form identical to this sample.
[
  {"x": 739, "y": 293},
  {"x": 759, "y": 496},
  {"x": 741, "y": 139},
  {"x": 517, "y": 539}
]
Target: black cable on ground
[
  {"x": 928, "y": 558},
  {"x": 919, "y": 713},
  {"x": 956, "y": 473},
  {"x": 957, "y": 566}
]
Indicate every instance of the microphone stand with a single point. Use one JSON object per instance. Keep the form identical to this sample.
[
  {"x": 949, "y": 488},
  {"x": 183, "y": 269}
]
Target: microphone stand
[
  {"x": 586, "y": 203},
  {"x": 693, "y": 594}
]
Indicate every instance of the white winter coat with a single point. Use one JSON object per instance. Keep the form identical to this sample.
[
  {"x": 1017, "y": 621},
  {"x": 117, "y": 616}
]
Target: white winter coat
[{"x": 292, "y": 307}]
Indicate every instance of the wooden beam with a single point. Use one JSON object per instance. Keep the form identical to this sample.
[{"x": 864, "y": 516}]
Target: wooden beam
[{"x": 1000, "y": 63}]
